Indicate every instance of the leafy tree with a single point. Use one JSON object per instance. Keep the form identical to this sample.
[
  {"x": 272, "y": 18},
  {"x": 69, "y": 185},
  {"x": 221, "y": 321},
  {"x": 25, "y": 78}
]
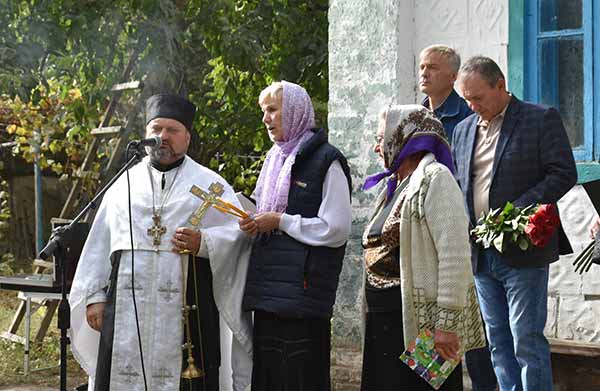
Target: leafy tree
[{"x": 220, "y": 53}]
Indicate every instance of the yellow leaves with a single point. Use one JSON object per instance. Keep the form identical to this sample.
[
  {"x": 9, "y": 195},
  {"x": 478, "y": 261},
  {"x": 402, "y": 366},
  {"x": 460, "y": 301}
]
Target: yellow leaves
[
  {"x": 57, "y": 168},
  {"x": 55, "y": 146},
  {"x": 17, "y": 104},
  {"x": 75, "y": 93},
  {"x": 59, "y": 112},
  {"x": 37, "y": 123},
  {"x": 44, "y": 163},
  {"x": 22, "y": 132}
]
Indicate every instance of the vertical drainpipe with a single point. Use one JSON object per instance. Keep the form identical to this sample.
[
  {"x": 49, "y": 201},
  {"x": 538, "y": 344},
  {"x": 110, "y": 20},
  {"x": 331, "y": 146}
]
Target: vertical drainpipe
[{"x": 37, "y": 175}]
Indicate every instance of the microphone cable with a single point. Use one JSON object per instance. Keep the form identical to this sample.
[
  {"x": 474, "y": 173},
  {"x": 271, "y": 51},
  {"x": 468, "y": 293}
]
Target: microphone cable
[{"x": 137, "y": 321}]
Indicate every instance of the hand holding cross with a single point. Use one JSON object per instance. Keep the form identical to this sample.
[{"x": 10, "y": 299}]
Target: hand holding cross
[
  {"x": 215, "y": 190},
  {"x": 210, "y": 198}
]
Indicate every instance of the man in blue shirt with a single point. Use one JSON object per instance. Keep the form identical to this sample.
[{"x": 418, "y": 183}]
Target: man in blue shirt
[{"x": 438, "y": 69}]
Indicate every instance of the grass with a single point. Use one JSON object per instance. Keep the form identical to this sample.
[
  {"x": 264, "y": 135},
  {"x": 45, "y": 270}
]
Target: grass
[{"x": 42, "y": 355}]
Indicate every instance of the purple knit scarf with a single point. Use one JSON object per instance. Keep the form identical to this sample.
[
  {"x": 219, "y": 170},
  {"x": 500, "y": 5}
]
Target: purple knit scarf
[
  {"x": 298, "y": 117},
  {"x": 410, "y": 129}
]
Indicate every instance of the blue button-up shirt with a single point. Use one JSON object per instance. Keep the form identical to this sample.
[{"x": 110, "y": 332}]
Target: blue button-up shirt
[{"x": 451, "y": 112}]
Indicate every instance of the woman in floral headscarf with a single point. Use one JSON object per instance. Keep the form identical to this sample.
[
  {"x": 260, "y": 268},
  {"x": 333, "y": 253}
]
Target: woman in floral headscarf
[
  {"x": 417, "y": 254},
  {"x": 303, "y": 223}
]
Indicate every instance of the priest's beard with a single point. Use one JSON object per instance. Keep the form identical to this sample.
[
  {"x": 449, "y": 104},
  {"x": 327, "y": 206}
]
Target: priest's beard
[{"x": 163, "y": 156}]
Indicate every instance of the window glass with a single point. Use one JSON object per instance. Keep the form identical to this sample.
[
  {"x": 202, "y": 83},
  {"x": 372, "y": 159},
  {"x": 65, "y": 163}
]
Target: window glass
[
  {"x": 560, "y": 14},
  {"x": 561, "y": 82}
]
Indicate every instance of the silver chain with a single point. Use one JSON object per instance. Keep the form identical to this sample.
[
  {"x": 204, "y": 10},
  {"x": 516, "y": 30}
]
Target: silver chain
[{"x": 163, "y": 200}]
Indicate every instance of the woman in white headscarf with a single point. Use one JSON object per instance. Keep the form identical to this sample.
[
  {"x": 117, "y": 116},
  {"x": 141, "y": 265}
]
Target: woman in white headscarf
[
  {"x": 302, "y": 225},
  {"x": 417, "y": 254}
]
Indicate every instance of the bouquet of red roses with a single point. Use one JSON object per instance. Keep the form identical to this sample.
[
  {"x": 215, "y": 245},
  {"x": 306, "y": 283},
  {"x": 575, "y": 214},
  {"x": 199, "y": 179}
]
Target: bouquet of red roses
[{"x": 523, "y": 227}]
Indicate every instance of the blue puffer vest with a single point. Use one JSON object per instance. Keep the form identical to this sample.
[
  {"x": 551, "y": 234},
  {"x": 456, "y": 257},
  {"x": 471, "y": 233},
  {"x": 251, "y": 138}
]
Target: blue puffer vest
[{"x": 287, "y": 277}]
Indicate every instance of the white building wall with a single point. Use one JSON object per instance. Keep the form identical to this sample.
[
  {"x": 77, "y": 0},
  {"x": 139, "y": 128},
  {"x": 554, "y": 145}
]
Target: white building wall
[
  {"x": 371, "y": 63},
  {"x": 574, "y": 299},
  {"x": 472, "y": 27}
]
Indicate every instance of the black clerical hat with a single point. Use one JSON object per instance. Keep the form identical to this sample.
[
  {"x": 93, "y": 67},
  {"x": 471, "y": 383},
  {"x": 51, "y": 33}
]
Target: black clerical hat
[{"x": 171, "y": 106}]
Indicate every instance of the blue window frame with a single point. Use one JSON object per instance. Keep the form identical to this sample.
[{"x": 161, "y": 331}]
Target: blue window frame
[{"x": 559, "y": 67}]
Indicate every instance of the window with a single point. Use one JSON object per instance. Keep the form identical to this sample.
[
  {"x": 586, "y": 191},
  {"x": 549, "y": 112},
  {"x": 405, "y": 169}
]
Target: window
[{"x": 559, "y": 67}]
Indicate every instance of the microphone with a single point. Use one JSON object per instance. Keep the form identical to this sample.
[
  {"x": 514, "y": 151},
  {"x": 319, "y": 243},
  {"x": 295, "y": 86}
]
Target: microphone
[{"x": 153, "y": 142}]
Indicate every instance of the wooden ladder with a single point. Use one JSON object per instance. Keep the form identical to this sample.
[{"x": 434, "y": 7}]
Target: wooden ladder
[{"x": 100, "y": 134}]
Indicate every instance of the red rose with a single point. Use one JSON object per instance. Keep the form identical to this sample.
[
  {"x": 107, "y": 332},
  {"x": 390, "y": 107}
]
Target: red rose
[
  {"x": 531, "y": 229},
  {"x": 542, "y": 224},
  {"x": 546, "y": 214},
  {"x": 553, "y": 218},
  {"x": 539, "y": 237},
  {"x": 537, "y": 218}
]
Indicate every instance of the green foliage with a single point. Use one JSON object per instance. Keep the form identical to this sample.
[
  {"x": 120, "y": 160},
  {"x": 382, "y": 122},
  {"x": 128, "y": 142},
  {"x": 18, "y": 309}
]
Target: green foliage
[
  {"x": 251, "y": 44},
  {"x": 221, "y": 53},
  {"x": 7, "y": 265}
]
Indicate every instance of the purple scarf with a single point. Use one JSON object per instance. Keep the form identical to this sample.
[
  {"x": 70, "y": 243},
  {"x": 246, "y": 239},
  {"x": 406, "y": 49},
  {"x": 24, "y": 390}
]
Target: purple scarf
[
  {"x": 298, "y": 117},
  {"x": 410, "y": 129}
]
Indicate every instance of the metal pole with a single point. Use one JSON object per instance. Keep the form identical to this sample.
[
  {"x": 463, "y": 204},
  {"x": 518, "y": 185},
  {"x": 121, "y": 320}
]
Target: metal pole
[
  {"x": 27, "y": 332},
  {"x": 37, "y": 175}
]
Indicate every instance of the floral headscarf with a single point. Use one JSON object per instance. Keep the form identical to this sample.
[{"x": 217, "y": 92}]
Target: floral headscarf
[
  {"x": 298, "y": 117},
  {"x": 410, "y": 129}
]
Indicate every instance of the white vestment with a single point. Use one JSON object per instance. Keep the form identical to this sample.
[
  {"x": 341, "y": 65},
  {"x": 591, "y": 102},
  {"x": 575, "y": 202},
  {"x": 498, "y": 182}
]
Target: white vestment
[{"x": 158, "y": 279}]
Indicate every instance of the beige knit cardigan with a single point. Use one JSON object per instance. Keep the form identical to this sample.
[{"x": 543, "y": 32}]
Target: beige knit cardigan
[{"x": 435, "y": 258}]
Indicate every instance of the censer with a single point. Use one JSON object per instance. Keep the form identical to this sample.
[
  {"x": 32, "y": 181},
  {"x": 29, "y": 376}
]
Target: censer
[
  {"x": 192, "y": 371},
  {"x": 211, "y": 199}
]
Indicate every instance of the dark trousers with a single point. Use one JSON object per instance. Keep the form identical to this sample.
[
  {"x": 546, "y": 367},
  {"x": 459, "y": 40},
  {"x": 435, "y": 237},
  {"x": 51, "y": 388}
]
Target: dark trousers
[
  {"x": 384, "y": 343},
  {"x": 481, "y": 371},
  {"x": 291, "y": 354}
]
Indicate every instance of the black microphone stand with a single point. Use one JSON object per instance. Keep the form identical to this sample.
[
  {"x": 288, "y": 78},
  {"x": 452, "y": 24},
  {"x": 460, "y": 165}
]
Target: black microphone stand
[{"x": 57, "y": 245}]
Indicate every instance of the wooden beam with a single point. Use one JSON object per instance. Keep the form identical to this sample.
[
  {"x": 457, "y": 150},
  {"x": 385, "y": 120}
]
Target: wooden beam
[
  {"x": 107, "y": 131},
  {"x": 573, "y": 348},
  {"x": 132, "y": 85},
  {"x": 13, "y": 337},
  {"x": 17, "y": 318},
  {"x": 51, "y": 306},
  {"x": 42, "y": 263}
]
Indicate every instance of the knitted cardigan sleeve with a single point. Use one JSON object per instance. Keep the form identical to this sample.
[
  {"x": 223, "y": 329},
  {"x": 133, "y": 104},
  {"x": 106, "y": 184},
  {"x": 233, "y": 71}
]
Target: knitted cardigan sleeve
[{"x": 447, "y": 222}]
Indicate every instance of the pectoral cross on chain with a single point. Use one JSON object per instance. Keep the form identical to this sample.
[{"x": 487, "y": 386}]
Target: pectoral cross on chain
[
  {"x": 215, "y": 190},
  {"x": 157, "y": 230}
]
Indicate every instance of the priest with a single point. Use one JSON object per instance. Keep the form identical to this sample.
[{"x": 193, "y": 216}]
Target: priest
[{"x": 156, "y": 299}]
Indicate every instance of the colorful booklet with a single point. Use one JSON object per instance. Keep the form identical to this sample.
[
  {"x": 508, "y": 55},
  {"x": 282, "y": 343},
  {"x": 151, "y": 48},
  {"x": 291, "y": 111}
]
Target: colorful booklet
[{"x": 422, "y": 358}]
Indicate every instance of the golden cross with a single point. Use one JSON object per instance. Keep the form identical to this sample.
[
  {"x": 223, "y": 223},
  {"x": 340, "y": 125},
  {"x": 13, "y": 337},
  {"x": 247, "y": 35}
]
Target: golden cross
[
  {"x": 157, "y": 230},
  {"x": 215, "y": 190}
]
